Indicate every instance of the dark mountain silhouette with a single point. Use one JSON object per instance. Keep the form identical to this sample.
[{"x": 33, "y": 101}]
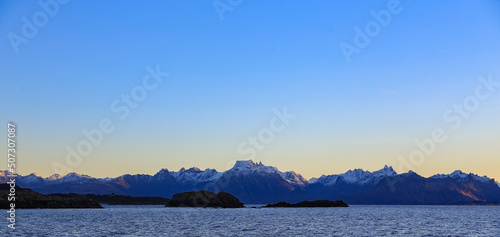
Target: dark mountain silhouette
[
  {"x": 411, "y": 188},
  {"x": 254, "y": 183}
]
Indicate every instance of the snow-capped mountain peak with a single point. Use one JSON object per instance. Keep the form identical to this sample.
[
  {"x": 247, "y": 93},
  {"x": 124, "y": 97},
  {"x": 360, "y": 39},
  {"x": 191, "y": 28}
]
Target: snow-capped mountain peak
[
  {"x": 356, "y": 176},
  {"x": 195, "y": 175},
  {"x": 458, "y": 174},
  {"x": 294, "y": 178},
  {"x": 246, "y": 164},
  {"x": 193, "y": 169},
  {"x": 162, "y": 174},
  {"x": 386, "y": 171},
  {"x": 70, "y": 177},
  {"x": 364, "y": 177},
  {"x": 73, "y": 174},
  {"x": 461, "y": 176},
  {"x": 31, "y": 178},
  {"x": 246, "y": 167},
  {"x": 54, "y": 177}
]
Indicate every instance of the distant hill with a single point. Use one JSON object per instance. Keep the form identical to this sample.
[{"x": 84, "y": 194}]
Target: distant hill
[
  {"x": 27, "y": 198},
  {"x": 122, "y": 199},
  {"x": 254, "y": 183}
]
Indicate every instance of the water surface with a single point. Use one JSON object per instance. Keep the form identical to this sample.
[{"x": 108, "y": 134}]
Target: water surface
[{"x": 351, "y": 221}]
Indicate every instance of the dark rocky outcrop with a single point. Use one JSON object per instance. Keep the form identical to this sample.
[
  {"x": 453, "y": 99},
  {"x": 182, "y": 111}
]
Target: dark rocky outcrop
[
  {"x": 204, "y": 199},
  {"x": 317, "y": 203},
  {"x": 26, "y": 198}
]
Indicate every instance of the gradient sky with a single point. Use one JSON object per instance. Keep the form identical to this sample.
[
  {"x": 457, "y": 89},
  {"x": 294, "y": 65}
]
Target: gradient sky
[{"x": 227, "y": 76}]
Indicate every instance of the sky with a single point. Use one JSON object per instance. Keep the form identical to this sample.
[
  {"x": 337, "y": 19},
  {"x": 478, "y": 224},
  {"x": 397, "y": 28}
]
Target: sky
[{"x": 317, "y": 87}]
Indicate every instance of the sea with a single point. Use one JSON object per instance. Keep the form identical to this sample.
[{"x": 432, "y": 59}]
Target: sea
[{"x": 356, "y": 220}]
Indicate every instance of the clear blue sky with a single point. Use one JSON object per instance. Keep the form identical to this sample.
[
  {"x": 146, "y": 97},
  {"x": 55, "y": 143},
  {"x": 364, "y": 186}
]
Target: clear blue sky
[{"x": 227, "y": 75}]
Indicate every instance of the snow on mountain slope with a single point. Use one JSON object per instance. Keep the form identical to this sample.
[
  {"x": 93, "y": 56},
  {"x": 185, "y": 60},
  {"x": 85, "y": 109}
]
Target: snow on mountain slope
[
  {"x": 356, "y": 176},
  {"x": 104, "y": 179},
  {"x": 195, "y": 175},
  {"x": 245, "y": 164},
  {"x": 327, "y": 180},
  {"x": 247, "y": 167},
  {"x": 31, "y": 178},
  {"x": 386, "y": 171},
  {"x": 294, "y": 178},
  {"x": 461, "y": 176},
  {"x": 161, "y": 175},
  {"x": 3, "y": 176},
  {"x": 183, "y": 176},
  {"x": 74, "y": 177},
  {"x": 54, "y": 177}
]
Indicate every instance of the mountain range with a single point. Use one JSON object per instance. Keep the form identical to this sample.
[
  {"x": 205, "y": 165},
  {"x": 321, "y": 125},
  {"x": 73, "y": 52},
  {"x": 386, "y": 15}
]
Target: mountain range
[{"x": 256, "y": 183}]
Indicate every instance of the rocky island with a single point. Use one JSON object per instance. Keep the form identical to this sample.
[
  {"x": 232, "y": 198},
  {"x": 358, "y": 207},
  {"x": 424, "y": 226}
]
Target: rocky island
[
  {"x": 317, "y": 203},
  {"x": 27, "y": 198},
  {"x": 204, "y": 199}
]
